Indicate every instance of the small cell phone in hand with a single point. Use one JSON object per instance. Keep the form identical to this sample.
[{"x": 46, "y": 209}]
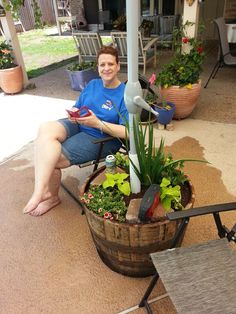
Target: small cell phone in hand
[
  {"x": 79, "y": 113},
  {"x": 73, "y": 113}
]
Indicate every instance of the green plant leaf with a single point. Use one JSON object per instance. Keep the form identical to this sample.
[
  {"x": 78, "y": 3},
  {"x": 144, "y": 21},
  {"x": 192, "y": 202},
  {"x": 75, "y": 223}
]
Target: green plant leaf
[
  {"x": 166, "y": 203},
  {"x": 109, "y": 182},
  {"x": 124, "y": 188}
]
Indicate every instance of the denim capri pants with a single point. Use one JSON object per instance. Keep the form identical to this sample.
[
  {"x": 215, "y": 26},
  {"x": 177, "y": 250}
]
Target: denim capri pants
[{"x": 79, "y": 147}]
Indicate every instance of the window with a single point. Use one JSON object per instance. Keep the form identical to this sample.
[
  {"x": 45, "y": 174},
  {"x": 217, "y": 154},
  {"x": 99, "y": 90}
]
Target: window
[{"x": 145, "y": 7}]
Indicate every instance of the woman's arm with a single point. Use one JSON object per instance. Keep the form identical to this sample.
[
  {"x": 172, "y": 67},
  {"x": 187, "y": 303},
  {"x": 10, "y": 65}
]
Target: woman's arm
[{"x": 116, "y": 130}]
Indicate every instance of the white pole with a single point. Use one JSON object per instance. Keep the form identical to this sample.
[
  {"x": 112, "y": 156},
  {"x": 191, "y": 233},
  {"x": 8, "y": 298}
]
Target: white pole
[
  {"x": 133, "y": 87},
  {"x": 133, "y": 91}
]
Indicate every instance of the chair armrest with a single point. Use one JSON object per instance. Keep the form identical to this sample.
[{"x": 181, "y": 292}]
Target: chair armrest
[
  {"x": 150, "y": 43},
  {"x": 103, "y": 140},
  {"x": 199, "y": 211}
]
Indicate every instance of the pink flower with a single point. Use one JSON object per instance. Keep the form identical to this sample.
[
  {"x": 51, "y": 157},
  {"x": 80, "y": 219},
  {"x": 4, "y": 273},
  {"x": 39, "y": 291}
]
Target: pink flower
[
  {"x": 90, "y": 196},
  {"x": 185, "y": 40},
  {"x": 107, "y": 215},
  {"x": 152, "y": 79},
  {"x": 5, "y": 51}
]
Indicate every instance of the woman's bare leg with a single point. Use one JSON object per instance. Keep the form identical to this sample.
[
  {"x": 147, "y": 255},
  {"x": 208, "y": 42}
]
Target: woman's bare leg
[
  {"x": 48, "y": 161},
  {"x": 53, "y": 200}
]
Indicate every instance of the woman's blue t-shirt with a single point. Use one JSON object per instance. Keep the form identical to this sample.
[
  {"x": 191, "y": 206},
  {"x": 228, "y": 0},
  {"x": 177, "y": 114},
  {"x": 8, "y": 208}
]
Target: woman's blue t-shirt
[{"x": 106, "y": 103}]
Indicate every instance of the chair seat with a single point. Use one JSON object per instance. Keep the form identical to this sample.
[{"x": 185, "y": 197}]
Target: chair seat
[
  {"x": 199, "y": 279},
  {"x": 230, "y": 60}
]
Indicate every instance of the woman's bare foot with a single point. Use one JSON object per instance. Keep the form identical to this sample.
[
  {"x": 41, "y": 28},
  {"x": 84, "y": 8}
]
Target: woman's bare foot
[
  {"x": 35, "y": 201},
  {"x": 45, "y": 206}
]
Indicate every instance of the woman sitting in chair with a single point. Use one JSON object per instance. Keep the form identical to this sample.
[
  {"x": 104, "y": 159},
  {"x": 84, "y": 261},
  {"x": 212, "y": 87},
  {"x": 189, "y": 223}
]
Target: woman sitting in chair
[{"x": 69, "y": 141}]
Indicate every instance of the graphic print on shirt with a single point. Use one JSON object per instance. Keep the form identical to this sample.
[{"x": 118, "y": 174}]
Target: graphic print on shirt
[{"x": 108, "y": 105}]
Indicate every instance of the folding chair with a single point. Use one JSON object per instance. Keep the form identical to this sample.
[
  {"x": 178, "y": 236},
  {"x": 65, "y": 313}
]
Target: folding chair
[
  {"x": 201, "y": 278},
  {"x": 87, "y": 44},
  {"x": 146, "y": 53},
  {"x": 225, "y": 58}
]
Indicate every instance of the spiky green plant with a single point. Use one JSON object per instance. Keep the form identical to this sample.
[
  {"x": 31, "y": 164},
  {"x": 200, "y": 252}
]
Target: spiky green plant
[{"x": 154, "y": 164}]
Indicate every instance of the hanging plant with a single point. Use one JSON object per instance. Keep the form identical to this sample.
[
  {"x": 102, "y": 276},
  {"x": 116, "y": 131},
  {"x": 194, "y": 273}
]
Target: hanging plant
[{"x": 13, "y": 6}]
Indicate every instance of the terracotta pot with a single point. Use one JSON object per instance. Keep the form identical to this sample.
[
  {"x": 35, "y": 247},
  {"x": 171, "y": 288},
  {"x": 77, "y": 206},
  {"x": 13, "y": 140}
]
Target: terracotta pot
[
  {"x": 185, "y": 99},
  {"x": 11, "y": 80},
  {"x": 126, "y": 247}
]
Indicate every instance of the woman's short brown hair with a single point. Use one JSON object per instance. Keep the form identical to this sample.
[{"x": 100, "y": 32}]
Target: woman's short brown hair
[{"x": 109, "y": 50}]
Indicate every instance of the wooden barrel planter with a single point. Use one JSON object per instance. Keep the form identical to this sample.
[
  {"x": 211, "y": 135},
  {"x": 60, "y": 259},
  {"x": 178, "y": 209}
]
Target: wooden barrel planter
[{"x": 125, "y": 247}]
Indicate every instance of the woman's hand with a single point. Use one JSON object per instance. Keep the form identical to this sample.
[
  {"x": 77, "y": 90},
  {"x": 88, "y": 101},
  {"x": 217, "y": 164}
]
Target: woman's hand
[
  {"x": 91, "y": 121},
  {"x": 112, "y": 129}
]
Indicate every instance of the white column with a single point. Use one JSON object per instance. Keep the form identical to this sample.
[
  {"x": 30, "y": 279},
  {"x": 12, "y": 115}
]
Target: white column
[
  {"x": 11, "y": 36},
  {"x": 191, "y": 14},
  {"x": 100, "y": 8}
]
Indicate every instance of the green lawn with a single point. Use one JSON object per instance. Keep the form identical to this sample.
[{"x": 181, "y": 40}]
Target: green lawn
[{"x": 43, "y": 50}]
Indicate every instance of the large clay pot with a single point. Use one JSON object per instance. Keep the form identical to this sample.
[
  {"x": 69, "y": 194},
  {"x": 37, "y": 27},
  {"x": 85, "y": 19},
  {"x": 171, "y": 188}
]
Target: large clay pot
[
  {"x": 125, "y": 247},
  {"x": 184, "y": 98},
  {"x": 11, "y": 80}
]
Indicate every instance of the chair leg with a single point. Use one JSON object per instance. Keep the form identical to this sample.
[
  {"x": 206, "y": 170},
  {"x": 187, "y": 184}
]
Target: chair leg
[
  {"x": 219, "y": 66},
  {"x": 216, "y": 66},
  {"x": 74, "y": 198},
  {"x": 144, "y": 301}
]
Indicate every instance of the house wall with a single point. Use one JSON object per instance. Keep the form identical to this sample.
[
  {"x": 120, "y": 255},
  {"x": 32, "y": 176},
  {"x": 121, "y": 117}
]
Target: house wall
[
  {"x": 210, "y": 10},
  {"x": 230, "y": 10},
  {"x": 91, "y": 11}
]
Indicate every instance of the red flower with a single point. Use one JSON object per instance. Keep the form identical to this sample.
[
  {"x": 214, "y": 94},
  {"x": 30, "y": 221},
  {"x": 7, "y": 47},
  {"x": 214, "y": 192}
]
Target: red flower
[
  {"x": 185, "y": 40},
  {"x": 199, "y": 50}
]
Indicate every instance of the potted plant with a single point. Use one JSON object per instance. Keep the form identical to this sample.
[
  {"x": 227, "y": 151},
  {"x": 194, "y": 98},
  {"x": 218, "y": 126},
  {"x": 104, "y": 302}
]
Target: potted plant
[
  {"x": 125, "y": 246},
  {"x": 146, "y": 27},
  {"x": 179, "y": 80},
  {"x": 165, "y": 108},
  {"x": 11, "y": 76},
  {"x": 81, "y": 73},
  {"x": 120, "y": 23}
]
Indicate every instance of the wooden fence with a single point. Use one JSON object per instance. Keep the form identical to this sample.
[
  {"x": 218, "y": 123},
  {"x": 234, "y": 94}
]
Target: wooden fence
[{"x": 27, "y": 14}]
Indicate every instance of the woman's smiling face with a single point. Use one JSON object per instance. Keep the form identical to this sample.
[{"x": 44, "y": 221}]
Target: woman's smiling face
[{"x": 108, "y": 69}]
